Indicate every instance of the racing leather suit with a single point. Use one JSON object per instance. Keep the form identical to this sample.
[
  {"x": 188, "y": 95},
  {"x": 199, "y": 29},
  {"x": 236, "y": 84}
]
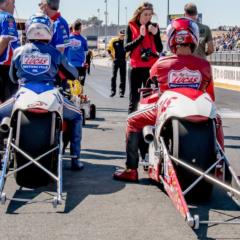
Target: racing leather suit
[
  {"x": 164, "y": 69},
  {"x": 35, "y": 66}
]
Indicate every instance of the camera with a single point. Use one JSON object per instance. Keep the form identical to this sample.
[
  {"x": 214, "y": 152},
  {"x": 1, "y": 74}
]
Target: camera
[{"x": 146, "y": 53}]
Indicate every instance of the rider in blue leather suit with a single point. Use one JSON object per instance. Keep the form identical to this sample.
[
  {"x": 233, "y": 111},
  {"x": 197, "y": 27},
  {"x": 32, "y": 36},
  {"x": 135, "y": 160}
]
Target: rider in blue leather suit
[{"x": 39, "y": 62}]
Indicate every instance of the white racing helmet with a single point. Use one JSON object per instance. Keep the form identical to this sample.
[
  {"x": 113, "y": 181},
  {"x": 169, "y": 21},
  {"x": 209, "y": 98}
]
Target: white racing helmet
[{"x": 39, "y": 27}]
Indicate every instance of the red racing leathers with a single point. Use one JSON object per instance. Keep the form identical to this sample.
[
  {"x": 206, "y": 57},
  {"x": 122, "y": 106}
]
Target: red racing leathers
[{"x": 177, "y": 71}]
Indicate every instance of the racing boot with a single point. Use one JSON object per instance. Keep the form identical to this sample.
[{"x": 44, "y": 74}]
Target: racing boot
[
  {"x": 77, "y": 165},
  {"x": 130, "y": 174}
]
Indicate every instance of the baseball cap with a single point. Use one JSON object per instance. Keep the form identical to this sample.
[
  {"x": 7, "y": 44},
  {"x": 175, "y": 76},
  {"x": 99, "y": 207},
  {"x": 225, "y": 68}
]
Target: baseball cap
[
  {"x": 122, "y": 32},
  {"x": 191, "y": 9}
]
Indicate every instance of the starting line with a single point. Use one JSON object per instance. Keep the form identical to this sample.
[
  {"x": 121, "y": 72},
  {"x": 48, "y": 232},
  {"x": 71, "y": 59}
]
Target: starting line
[{"x": 228, "y": 113}]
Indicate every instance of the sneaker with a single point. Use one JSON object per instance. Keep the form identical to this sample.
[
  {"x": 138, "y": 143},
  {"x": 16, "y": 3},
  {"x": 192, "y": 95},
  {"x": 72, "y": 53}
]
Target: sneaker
[
  {"x": 77, "y": 165},
  {"x": 121, "y": 96},
  {"x": 112, "y": 94},
  {"x": 128, "y": 175}
]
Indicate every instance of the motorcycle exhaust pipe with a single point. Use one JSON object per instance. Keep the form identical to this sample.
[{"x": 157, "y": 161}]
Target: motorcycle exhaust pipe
[
  {"x": 148, "y": 134},
  {"x": 5, "y": 125}
]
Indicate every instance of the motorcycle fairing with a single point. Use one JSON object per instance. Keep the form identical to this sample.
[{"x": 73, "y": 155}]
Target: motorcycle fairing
[
  {"x": 50, "y": 100},
  {"x": 182, "y": 103}
]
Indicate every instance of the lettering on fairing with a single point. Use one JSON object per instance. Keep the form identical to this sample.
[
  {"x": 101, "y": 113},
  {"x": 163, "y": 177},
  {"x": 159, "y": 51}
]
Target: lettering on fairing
[
  {"x": 163, "y": 105},
  {"x": 184, "y": 78},
  {"x": 35, "y": 63},
  {"x": 37, "y": 104}
]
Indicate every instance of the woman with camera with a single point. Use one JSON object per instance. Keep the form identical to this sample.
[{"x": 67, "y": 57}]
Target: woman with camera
[{"x": 144, "y": 43}]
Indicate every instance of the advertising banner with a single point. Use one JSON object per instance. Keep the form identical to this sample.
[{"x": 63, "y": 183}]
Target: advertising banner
[{"x": 226, "y": 74}]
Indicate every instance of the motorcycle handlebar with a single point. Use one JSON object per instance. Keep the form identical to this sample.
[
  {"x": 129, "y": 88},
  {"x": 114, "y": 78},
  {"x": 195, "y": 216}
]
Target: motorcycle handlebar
[{"x": 140, "y": 90}]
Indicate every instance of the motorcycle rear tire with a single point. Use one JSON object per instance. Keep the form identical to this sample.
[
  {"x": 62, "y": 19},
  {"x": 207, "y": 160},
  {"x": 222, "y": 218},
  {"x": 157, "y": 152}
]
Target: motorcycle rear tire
[
  {"x": 34, "y": 139},
  {"x": 195, "y": 144}
]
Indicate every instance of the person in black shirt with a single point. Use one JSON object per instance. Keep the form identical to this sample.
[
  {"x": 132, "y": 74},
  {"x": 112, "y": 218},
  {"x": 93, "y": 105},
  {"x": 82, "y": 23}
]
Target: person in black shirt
[
  {"x": 118, "y": 55},
  {"x": 89, "y": 58}
]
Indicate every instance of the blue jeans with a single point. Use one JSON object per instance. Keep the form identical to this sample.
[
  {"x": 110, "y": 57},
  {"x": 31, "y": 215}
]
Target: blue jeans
[{"x": 70, "y": 113}]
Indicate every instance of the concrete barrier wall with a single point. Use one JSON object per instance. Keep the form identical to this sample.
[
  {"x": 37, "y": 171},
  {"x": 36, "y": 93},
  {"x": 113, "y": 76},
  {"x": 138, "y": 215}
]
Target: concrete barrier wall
[{"x": 226, "y": 77}]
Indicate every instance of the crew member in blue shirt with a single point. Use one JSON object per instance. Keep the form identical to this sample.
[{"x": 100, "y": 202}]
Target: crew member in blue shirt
[
  {"x": 60, "y": 39},
  {"x": 8, "y": 42},
  {"x": 77, "y": 50},
  {"x": 27, "y": 69}
]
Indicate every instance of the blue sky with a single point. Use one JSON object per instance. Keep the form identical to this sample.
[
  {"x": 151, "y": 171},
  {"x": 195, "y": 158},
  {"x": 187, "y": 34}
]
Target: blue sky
[{"x": 215, "y": 12}]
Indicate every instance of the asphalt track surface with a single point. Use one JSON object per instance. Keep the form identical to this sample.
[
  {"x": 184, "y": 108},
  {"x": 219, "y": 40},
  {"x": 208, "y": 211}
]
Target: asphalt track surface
[{"x": 96, "y": 207}]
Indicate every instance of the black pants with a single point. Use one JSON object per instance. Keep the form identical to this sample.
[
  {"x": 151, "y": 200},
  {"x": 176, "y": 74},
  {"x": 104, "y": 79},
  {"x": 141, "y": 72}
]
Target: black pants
[
  {"x": 137, "y": 79},
  {"x": 7, "y": 87},
  {"x": 121, "y": 65},
  {"x": 88, "y": 70},
  {"x": 89, "y": 66},
  {"x": 82, "y": 74}
]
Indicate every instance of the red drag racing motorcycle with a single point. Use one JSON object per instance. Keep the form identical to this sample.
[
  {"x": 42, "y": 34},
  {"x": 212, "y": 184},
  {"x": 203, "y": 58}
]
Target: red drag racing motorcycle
[{"x": 184, "y": 154}]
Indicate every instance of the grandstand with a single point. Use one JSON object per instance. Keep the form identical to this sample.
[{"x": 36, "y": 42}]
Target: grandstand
[{"x": 227, "y": 39}]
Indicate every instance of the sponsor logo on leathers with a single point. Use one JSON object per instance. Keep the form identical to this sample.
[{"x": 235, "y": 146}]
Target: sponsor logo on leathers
[
  {"x": 35, "y": 63},
  {"x": 184, "y": 78}
]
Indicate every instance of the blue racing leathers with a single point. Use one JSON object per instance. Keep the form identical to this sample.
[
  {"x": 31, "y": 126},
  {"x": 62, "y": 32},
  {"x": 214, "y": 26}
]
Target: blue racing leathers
[{"x": 35, "y": 66}]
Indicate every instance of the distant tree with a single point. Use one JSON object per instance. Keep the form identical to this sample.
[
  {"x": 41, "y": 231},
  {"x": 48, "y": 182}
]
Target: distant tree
[
  {"x": 113, "y": 24},
  {"x": 94, "y": 21}
]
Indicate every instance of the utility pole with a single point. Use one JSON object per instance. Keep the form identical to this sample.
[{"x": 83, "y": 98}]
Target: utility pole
[
  {"x": 126, "y": 16},
  {"x": 167, "y": 12},
  {"x": 106, "y": 13},
  {"x": 98, "y": 11},
  {"x": 118, "y": 13}
]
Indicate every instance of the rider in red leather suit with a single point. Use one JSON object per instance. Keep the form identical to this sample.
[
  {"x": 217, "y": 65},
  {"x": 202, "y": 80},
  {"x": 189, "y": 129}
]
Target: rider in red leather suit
[{"x": 181, "y": 70}]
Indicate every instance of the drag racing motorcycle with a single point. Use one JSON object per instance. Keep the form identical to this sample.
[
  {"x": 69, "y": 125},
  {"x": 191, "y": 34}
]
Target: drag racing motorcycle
[
  {"x": 184, "y": 154},
  {"x": 34, "y": 140}
]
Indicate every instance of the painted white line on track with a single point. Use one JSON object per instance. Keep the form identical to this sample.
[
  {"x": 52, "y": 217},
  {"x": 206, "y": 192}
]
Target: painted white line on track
[{"x": 228, "y": 113}]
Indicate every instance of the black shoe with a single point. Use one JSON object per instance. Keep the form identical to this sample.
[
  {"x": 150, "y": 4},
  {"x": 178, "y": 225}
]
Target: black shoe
[
  {"x": 112, "y": 94},
  {"x": 121, "y": 96},
  {"x": 77, "y": 165}
]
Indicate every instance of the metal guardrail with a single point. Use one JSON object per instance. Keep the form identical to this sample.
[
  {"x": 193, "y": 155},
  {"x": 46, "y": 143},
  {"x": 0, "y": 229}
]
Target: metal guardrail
[{"x": 225, "y": 58}]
